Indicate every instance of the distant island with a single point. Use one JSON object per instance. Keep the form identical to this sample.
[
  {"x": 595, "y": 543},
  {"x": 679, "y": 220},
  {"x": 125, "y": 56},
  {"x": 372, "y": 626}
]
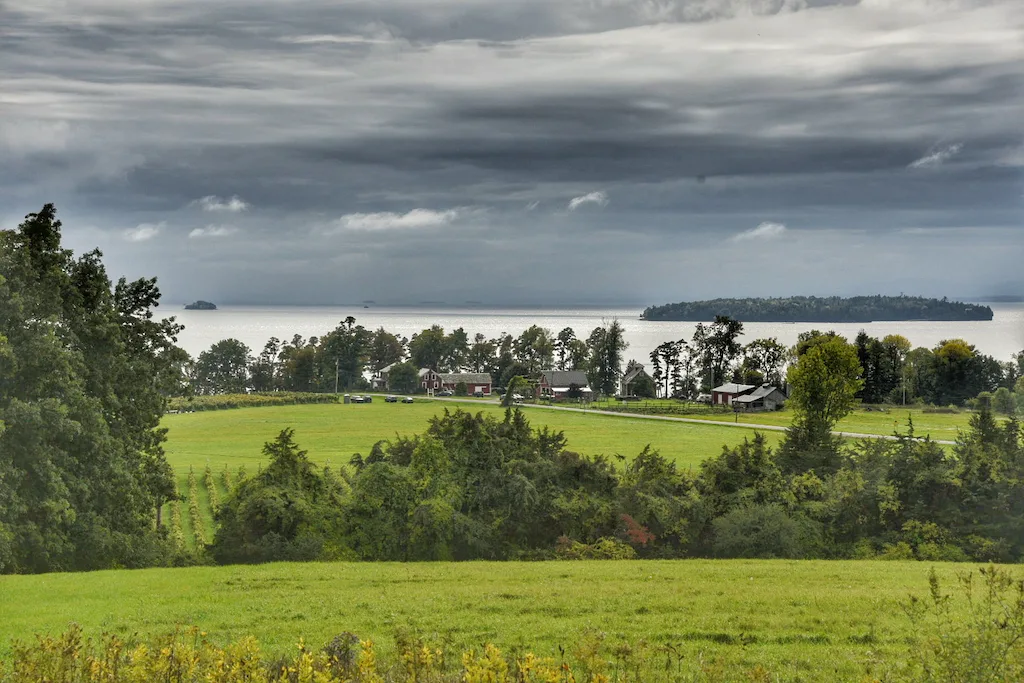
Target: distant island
[
  {"x": 201, "y": 306},
  {"x": 811, "y": 309}
]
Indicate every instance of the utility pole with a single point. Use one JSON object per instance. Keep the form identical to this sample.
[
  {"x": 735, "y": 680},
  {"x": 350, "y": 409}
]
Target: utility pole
[{"x": 336, "y": 372}]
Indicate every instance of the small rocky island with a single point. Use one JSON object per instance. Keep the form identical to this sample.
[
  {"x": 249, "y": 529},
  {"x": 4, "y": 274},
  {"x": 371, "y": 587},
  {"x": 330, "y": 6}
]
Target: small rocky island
[{"x": 201, "y": 306}]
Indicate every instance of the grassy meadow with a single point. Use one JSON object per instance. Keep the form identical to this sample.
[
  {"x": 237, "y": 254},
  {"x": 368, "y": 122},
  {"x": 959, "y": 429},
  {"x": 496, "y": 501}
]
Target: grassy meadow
[
  {"x": 332, "y": 433},
  {"x": 230, "y": 439},
  {"x": 817, "y": 620},
  {"x": 939, "y": 426}
]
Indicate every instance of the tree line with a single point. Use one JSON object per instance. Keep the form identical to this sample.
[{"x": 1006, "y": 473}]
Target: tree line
[
  {"x": 342, "y": 359},
  {"x": 952, "y": 372},
  {"x": 812, "y": 309}
]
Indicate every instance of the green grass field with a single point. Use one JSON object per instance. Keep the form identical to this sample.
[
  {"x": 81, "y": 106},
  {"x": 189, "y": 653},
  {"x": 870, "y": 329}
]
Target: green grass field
[
  {"x": 332, "y": 433},
  {"x": 821, "y": 620},
  {"x": 940, "y": 426}
]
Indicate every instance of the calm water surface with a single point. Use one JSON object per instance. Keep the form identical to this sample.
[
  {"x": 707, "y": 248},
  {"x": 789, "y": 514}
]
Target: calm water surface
[{"x": 254, "y": 325}]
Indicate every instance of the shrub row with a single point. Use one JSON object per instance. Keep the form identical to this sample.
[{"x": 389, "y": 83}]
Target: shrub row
[
  {"x": 177, "y": 532},
  {"x": 228, "y": 401},
  {"x": 198, "y": 530},
  {"x": 211, "y": 489}
]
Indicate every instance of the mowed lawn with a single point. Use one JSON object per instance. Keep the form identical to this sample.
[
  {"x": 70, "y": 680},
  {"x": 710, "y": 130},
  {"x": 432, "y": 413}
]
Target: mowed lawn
[
  {"x": 333, "y": 433},
  {"x": 819, "y": 620}
]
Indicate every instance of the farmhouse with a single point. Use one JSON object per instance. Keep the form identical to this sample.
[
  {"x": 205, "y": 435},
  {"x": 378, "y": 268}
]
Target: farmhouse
[
  {"x": 633, "y": 372},
  {"x": 379, "y": 381},
  {"x": 430, "y": 381},
  {"x": 475, "y": 381},
  {"x": 727, "y": 393},
  {"x": 765, "y": 397},
  {"x": 557, "y": 383}
]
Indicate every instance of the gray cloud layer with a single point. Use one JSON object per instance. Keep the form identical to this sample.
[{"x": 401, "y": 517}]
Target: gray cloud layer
[{"x": 582, "y": 150}]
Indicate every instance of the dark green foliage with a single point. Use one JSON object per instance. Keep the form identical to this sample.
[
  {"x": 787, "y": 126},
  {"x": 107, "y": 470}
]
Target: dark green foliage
[
  {"x": 715, "y": 347},
  {"x": 833, "y": 309},
  {"x": 476, "y": 487},
  {"x": 286, "y": 512},
  {"x": 86, "y": 373},
  {"x": 606, "y": 346},
  {"x": 403, "y": 378},
  {"x": 765, "y": 531},
  {"x": 223, "y": 369}
]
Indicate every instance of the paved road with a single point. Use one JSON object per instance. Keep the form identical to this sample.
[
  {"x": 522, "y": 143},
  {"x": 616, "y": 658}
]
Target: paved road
[{"x": 667, "y": 418}]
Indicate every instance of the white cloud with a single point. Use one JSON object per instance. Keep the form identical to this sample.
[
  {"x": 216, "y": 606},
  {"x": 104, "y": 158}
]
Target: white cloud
[
  {"x": 211, "y": 202},
  {"x": 213, "y": 231},
  {"x": 532, "y": 205},
  {"x": 599, "y": 198},
  {"x": 144, "y": 231},
  {"x": 938, "y": 157},
  {"x": 388, "y": 220},
  {"x": 765, "y": 231}
]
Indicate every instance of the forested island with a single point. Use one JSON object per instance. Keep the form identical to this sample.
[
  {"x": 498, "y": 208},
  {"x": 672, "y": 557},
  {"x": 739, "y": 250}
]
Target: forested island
[
  {"x": 812, "y": 309},
  {"x": 201, "y": 306}
]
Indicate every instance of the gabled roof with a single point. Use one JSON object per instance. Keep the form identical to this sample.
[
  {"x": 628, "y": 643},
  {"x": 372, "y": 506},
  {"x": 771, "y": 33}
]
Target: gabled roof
[
  {"x": 632, "y": 373},
  {"x": 566, "y": 378},
  {"x": 424, "y": 371},
  {"x": 733, "y": 388},
  {"x": 467, "y": 377},
  {"x": 387, "y": 368},
  {"x": 758, "y": 394}
]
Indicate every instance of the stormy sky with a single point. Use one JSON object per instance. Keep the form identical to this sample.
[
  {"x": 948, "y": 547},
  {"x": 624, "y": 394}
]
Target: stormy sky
[{"x": 523, "y": 151}]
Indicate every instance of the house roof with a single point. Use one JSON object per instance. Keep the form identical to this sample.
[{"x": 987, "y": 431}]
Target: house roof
[
  {"x": 467, "y": 377},
  {"x": 758, "y": 394},
  {"x": 387, "y": 368},
  {"x": 733, "y": 388},
  {"x": 632, "y": 373},
  {"x": 424, "y": 371},
  {"x": 566, "y": 378}
]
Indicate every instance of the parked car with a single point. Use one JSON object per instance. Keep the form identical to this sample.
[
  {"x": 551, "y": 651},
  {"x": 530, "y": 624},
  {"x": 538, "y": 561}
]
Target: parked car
[
  {"x": 445, "y": 392},
  {"x": 367, "y": 399},
  {"x": 408, "y": 399},
  {"x": 517, "y": 397},
  {"x": 478, "y": 394},
  {"x": 391, "y": 399},
  {"x": 357, "y": 399}
]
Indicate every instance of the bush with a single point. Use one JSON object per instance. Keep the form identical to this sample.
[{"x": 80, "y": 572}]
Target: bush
[
  {"x": 602, "y": 549},
  {"x": 1003, "y": 401},
  {"x": 461, "y": 389},
  {"x": 765, "y": 531}
]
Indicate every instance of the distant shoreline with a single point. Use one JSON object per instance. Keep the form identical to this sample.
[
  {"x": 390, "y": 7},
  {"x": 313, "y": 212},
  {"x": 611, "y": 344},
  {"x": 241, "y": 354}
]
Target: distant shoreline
[{"x": 825, "y": 310}]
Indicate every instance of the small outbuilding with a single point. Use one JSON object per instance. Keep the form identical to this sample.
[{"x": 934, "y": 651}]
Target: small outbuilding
[
  {"x": 765, "y": 397},
  {"x": 729, "y": 392}
]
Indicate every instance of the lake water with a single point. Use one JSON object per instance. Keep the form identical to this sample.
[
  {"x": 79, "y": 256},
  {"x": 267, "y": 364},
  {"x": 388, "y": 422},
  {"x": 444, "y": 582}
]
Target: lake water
[{"x": 254, "y": 325}]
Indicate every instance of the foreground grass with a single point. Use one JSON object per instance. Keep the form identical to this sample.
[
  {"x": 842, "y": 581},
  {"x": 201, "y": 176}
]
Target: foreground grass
[
  {"x": 816, "y": 619},
  {"x": 332, "y": 433}
]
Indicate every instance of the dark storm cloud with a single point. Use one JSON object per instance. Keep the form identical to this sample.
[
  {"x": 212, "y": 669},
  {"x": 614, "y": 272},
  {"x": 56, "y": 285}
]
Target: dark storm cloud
[{"x": 368, "y": 141}]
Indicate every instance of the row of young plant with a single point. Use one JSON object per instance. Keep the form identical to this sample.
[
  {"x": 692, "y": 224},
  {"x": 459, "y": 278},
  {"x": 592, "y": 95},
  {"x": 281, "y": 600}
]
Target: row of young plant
[
  {"x": 972, "y": 635},
  {"x": 190, "y": 546}
]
